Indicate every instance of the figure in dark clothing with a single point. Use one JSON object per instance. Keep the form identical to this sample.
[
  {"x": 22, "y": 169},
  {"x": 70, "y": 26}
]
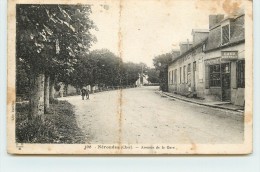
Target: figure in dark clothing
[
  {"x": 84, "y": 92},
  {"x": 87, "y": 94}
]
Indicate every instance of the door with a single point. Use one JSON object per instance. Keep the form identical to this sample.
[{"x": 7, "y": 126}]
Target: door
[{"x": 225, "y": 81}]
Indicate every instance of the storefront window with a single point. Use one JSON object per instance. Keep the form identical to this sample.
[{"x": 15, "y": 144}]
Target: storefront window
[
  {"x": 241, "y": 74},
  {"x": 214, "y": 76}
]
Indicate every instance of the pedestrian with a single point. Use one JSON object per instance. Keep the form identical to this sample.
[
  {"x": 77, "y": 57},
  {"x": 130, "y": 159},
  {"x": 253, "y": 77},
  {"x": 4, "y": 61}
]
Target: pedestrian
[
  {"x": 83, "y": 92},
  {"x": 87, "y": 94}
]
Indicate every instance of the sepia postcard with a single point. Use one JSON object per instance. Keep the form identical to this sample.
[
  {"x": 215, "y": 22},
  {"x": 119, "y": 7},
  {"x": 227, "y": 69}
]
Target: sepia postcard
[{"x": 130, "y": 77}]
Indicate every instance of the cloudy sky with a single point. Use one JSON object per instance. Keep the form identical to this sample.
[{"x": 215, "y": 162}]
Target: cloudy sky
[{"x": 144, "y": 29}]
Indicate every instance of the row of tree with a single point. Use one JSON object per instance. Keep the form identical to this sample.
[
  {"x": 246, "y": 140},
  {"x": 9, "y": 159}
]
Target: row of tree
[
  {"x": 104, "y": 68},
  {"x": 50, "y": 40},
  {"x": 52, "y": 46}
]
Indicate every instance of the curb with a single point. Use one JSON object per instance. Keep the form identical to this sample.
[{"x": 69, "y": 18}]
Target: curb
[{"x": 202, "y": 104}]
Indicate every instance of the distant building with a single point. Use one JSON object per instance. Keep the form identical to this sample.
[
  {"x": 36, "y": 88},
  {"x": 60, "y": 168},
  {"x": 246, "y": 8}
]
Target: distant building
[
  {"x": 65, "y": 90},
  {"x": 213, "y": 65},
  {"x": 142, "y": 80}
]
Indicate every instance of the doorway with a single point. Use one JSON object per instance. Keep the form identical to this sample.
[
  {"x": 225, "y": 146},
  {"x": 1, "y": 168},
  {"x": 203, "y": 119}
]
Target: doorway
[{"x": 225, "y": 81}]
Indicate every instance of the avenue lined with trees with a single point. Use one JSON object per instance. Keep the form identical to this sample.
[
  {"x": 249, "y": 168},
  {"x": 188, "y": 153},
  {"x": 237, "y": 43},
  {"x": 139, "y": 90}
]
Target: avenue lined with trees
[
  {"x": 50, "y": 40},
  {"x": 54, "y": 48},
  {"x": 53, "y": 45}
]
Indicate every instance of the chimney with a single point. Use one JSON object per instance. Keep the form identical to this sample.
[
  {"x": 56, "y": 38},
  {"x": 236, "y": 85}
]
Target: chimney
[
  {"x": 199, "y": 35},
  {"x": 184, "y": 46},
  {"x": 214, "y": 19},
  {"x": 175, "y": 54}
]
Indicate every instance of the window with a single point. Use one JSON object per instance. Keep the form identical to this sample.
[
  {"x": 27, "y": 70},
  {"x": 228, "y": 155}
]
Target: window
[
  {"x": 188, "y": 73},
  {"x": 203, "y": 47},
  {"x": 169, "y": 77},
  {"x": 175, "y": 76},
  {"x": 225, "y": 34},
  {"x": 180, "y": 75},
  {"x": 189, "y": 68},
  {"x": 241, "y": 74},
  {"x": 184, "y": 75},
  {"x": 201, "y": 70},
  {"x": 214, "y": 75},
  {"x": 172, "y": 76},
  {"x": 194, "y": 66}
]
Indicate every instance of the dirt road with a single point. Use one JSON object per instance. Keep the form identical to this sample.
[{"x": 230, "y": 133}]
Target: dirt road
[{"x": 139, "y": 115}]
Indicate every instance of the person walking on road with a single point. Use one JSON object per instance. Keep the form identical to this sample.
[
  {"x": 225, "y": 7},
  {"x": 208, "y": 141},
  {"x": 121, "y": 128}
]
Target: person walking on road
[
  {"x": 87, "y": 94},
  {"x": 84, "y": 92}
]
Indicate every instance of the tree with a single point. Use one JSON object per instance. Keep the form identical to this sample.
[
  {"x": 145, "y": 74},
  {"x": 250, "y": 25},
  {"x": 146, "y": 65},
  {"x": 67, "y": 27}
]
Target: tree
[
  {"x": 22, "y": 80},
  {"x": 99, "y": 67},
  {"x": 130, "y": 73},
  {"x": 133, "y": 71},
  {"x": 161, "y": 64},
  {"x": 49, "y": 40},
  {"x": 104, "y": 68},
  {"x": 153, "y": 75},
  {"x": 73, "y": 43}
]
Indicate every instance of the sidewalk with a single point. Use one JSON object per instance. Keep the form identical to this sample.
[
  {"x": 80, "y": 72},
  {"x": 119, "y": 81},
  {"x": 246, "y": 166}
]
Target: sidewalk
[{"x": 213, "y": 104}]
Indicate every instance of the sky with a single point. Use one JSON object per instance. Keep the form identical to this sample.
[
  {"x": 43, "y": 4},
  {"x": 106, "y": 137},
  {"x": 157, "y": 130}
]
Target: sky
[{"x": 141, "y": 30}]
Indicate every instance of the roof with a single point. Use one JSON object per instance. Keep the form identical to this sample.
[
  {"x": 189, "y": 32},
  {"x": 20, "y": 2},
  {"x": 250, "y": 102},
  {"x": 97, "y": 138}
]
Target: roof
[
  {"x": 190, "y": 50},
  {"x": 185, "y": 43},
  {"x": 213, "y": 41},
  {"x": 233, "y": 16},
  {"x": 175, "y": 50},
  {"x": 237, "y": 34},
  {"x": 199, "y": 30}
]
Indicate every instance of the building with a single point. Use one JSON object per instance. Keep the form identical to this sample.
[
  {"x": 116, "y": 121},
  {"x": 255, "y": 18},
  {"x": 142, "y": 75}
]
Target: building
[
  {"x": 212, "y": 67},
  {"x": 142, "y": 80},
  {"x": 65, "y": 90},
  {"x": 183, "y": 75}
]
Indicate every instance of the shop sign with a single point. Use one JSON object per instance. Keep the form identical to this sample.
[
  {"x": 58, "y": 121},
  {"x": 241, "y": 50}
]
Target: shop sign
[
  {"x": 229, "y": 55},
  {"x": 212, "y": 61}
]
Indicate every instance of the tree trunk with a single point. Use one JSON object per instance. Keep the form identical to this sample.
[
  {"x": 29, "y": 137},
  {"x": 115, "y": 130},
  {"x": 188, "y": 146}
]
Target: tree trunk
[
  {"x": 52, "y": 90},
  {"x": 66, "y": 90},
  {"x": 36, "y": 97},
  {"x": 61, "y": 90},
  {"x": 47, "y": 94}
]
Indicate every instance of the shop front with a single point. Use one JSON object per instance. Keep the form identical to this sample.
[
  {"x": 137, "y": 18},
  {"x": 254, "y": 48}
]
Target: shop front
[{"x": 224, "y": 75}]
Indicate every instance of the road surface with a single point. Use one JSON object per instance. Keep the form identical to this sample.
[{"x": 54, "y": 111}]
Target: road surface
[{"x": 141, "y": 116}]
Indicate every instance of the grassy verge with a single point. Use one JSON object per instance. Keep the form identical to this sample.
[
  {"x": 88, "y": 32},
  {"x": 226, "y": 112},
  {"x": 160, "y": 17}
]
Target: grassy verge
[{"x": 59, "y": 126}]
